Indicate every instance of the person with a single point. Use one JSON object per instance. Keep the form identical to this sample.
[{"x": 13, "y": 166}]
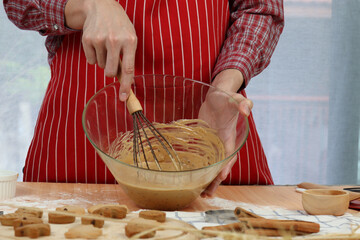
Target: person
[{"x": 89, "y": 42}]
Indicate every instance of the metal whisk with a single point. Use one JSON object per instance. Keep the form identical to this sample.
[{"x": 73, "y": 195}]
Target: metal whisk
[{"x": 144, "y": 126}]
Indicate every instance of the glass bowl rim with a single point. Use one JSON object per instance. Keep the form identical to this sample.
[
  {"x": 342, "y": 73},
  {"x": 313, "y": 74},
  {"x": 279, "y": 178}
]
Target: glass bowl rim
[{"x": 154, "y": 170}]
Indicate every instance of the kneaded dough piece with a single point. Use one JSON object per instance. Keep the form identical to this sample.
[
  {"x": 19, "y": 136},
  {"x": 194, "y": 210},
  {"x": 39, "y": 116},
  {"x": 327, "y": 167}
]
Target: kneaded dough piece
[
  {"x": 19, "y": 222},
  {"x": 8, "y": 219},
  {"x": 59, "y": 218},
  {"x": 153, "y": 215},
  {"x": 83, "y": 231},
  {"x": 87, "y": 220},
  {"x": 118, "y": 212},
  {"x": 138, "y": 225},
  {"x": 33, "y": 230},
  {"x": 72, "y": 209},
  {"x": 35, "y": 211}
]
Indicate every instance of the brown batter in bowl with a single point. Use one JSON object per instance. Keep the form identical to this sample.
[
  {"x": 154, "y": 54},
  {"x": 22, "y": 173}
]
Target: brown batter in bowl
[{"x": 197, "y": 146}]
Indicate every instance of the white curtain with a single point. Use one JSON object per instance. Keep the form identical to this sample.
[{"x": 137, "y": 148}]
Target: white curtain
[
  {"x": 307, "y": 105},
  {"x": 344, "y": 104},
  {"x": 24, "y": 74}
]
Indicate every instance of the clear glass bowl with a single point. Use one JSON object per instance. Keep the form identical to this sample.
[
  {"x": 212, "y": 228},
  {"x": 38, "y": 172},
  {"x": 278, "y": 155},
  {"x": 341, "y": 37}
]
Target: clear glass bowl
[{"x": 105, "y": 117}]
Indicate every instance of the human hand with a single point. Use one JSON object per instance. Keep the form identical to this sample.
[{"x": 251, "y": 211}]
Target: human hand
[
  {"x": 222, "y": 115},
  {"x": 107, "y": 34}
]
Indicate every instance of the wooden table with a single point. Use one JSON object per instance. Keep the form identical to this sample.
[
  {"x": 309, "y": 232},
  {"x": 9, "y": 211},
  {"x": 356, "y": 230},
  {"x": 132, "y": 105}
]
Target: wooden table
[{"x": 281, "y": 196}]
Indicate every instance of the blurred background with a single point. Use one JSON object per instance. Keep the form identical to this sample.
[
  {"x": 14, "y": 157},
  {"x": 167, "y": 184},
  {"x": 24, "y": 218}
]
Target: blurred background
[{"x": 306, "y": 103}]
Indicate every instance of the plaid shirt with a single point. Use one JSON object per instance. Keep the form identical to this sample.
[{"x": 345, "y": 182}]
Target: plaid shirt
[{"x": 254, "y": 30}]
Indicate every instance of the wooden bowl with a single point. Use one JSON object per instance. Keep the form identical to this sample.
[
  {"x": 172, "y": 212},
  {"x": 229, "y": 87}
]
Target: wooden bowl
[{"x": 325, "y": 201}]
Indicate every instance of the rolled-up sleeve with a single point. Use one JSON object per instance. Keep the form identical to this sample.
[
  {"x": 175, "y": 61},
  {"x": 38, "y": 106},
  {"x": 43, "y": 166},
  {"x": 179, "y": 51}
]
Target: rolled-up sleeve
[
  {"x": 45, "y": 16},
  {"x": 254, "y": 31}
]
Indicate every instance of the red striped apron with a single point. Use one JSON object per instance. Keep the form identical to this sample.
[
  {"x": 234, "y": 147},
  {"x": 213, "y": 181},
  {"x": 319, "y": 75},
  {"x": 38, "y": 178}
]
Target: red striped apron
[{"x": 178, "y": 37}]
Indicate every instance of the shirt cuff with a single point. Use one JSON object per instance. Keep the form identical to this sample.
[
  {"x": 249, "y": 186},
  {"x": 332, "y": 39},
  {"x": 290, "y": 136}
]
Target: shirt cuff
[{"x": 54, "y": 12}]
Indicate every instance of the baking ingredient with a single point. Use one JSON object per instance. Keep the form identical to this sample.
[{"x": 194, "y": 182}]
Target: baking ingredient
[
  {"x": 243, "y": 213},
  {"x": 196, "y": 144},
  {"x": 269, "y": 227},
  {"x": 150, "y": 197},
  {"x": 83, "y": 231}
]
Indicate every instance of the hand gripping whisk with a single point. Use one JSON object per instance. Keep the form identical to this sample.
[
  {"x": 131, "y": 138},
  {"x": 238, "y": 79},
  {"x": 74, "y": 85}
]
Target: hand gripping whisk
[{"x": 145, "y": 133}]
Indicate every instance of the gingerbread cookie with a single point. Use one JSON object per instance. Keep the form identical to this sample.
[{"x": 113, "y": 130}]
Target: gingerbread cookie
[
  {"x": 33, "y": 230},
  {"x": 138, "y": 225},
  {"x": 83, "y": 231},
  {"x": 72, "y": 209},
  {"x": 95, "y": 207},
  {"x": 153, "y": 215},
  {"x": 115, "y": 211},
  {"x": 34, "y": 211},
  {"x": 59, "y": 218},
  {"x": 19, "y": 222},
  {"x": 99, "y": 223},
  {"x": 8, "y": 219}
]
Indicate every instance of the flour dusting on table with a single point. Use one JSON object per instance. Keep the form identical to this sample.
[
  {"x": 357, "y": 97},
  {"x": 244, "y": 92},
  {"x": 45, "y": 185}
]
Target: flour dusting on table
[
  {"x": 50, "y": 202},
  {"x": 228, "y": 204}
]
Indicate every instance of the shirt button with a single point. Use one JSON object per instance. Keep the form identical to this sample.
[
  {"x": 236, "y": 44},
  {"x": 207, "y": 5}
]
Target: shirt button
[{"x": 56, "y": 27}]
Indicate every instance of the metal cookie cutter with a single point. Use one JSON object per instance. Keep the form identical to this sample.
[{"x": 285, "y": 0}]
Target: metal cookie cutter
[
  {"x": 353, "y": 189},
  {"x": 221, "y": 216}
]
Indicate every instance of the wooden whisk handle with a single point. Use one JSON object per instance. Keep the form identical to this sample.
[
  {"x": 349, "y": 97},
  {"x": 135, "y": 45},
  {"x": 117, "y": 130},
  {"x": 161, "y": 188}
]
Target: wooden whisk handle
[{"x": 132, "y": 103}]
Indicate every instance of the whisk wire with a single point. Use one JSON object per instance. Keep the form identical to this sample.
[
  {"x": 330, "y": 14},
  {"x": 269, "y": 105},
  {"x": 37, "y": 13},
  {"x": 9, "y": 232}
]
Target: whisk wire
[
  {"x": 162, "y": 139},
  {"x": 135, "y": 147},
  {"x": 140, "y": 117},
  {"x": 137, "y": 139},
  {"x": 135, "y": 109}
]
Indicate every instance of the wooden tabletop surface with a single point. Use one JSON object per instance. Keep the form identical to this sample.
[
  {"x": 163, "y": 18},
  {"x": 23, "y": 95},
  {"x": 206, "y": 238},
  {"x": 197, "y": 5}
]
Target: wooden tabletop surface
[{"x": 87, "y": 194}]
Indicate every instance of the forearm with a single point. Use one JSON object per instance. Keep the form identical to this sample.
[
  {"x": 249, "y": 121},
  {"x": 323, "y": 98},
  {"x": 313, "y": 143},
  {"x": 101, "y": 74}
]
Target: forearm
[
  {"x": 229, "y": 80},
  {"x": 75, "y": 13},
  {"x": 255, "y": 27},
  {"x": 44, "y": 16}
]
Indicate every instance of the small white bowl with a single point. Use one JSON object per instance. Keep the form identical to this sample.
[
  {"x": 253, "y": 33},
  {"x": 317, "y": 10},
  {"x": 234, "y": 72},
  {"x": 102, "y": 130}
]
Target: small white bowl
[{"x": 8, "y": 181}]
